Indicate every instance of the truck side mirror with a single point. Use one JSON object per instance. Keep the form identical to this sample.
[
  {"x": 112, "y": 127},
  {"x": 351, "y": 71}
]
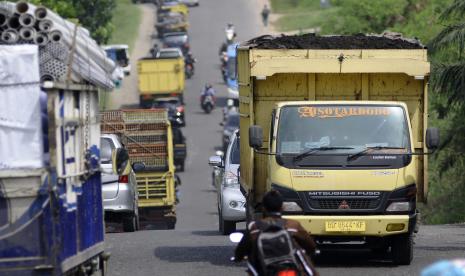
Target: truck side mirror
[
  {"x": 120, "y": 158},
  {"x": 255, "y": 136},
  {"x": 432, "y": 138}
]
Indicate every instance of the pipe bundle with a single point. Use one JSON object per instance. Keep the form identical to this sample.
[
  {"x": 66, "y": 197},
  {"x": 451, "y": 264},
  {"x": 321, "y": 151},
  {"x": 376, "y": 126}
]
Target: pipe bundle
[{"x": 67, "y": 52}]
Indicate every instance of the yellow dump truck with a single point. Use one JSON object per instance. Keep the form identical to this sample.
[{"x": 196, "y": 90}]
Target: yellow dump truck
[
  {"x": 180, "y": 8},
  {"x": 338, "y": 125},
  {"x": 160, "y": 77},
  {"x": 147, "y": 136}
]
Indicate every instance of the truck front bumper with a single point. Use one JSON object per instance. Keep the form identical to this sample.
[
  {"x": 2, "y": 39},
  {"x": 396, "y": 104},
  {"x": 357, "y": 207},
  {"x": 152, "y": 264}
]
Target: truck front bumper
[{"x": 375, "y": 226}]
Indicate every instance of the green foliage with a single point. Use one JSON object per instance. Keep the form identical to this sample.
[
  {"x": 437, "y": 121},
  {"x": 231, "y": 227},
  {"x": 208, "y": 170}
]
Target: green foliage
[
  {"x": 294, "y": 6},
  {"x": 423, "y": 23},
  {"x": 306, "y": 20},
  {"x": 365, "y": 16},
  {"x": 96, "y": 16}
]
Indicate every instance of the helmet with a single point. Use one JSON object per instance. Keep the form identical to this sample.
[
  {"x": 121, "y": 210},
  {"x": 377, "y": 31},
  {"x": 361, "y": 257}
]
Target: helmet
[
  {"x": 230, "y": 25},
  {"x": 208, "y": 86}
]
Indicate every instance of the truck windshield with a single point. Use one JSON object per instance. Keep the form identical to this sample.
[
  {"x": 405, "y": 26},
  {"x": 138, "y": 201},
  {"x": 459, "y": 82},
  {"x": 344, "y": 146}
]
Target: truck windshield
[{"x": 342, "y": 129}]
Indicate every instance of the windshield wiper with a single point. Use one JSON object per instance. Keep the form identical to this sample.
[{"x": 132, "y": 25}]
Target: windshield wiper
[
  {"x": 354, "y": 156},
  {"x": 313, "y": 150}
]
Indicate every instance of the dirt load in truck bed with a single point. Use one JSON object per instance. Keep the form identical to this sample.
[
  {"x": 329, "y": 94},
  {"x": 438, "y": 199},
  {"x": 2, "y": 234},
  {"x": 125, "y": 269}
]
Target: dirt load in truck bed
[{"x": 312, "y": 41}]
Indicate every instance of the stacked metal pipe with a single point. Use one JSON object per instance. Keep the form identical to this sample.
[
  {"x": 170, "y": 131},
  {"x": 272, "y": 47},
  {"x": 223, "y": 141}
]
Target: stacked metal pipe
[{"x": 67, "y": 52}]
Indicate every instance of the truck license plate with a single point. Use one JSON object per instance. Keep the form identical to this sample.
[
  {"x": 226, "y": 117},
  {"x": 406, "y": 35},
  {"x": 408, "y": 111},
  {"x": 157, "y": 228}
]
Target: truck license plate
[{"x": 345, "y": 226}]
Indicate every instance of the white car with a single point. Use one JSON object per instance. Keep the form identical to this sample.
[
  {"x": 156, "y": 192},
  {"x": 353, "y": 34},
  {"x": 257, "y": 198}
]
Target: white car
[
  {"x": 120, "y": 55},
  {"x": 231, "y": 201},
  {"x": 120, "y": 196}
]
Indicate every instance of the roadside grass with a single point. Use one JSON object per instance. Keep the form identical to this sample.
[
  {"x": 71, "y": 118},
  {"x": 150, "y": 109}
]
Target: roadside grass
[
  {"x": 126, "y": 20},
  {"x": 292, "y": 6},
  {"x": 301, "y": 14},
  {"x": 305, "y": 20}
]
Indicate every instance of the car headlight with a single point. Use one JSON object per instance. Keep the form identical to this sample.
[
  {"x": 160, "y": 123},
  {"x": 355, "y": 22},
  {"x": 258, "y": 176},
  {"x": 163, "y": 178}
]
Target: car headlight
[
  {"x": 291, "y": 207},
  {"x": 403, "y": 206},
  {"x": 231, "y": 180},
  {"x": 234, "y": 204}
]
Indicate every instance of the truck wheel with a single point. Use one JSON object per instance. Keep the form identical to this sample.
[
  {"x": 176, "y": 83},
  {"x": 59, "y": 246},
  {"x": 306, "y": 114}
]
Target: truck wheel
[
  {"x": 130, "y": 223},
  {"x": 171, "y": 224},
  {"x": 402, "y": 249}
]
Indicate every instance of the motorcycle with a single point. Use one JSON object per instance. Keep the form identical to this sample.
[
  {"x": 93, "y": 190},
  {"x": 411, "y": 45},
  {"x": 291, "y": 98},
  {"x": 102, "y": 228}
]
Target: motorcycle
[
  {"x": 208, "y": 103},
  {"x": 251, "y": 270},
  {"x": 189, "y": 70}
]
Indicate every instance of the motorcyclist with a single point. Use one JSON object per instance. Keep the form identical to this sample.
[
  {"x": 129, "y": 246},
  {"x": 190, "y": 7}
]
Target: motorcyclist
[
  {"x": 208, "y": 90},
  {"x": 154, "y": 50},
  {"x": 230, "y": 33},
  {"x": 230, "y": 27},
  {"x": 265, "y": 14},
  {"x": 189, "y": 59},
  {"x": 272, "y": 203}
]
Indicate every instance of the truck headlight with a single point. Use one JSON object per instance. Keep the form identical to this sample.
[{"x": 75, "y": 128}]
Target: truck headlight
[
  {"x": 291, "y": 207},
  {"x": 403, "y": 206}
]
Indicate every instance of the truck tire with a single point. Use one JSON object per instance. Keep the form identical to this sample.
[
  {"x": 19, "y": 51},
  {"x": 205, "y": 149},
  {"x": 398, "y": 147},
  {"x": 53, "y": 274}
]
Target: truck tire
[
  {"x": 171, "y": 224},
  {"x": 402, "y": 249},
  {"x": 130, "y": 223}
]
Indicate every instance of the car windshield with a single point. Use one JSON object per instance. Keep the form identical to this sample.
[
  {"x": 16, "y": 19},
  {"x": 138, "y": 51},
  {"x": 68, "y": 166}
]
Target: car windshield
[
  {"x": 343, "y": 129},
  {"x": 106, "y": 147},
  {"x": 233, "y": 120},
  {"x": 234, "y": 156},
  {"x": 175, "y": 39}
]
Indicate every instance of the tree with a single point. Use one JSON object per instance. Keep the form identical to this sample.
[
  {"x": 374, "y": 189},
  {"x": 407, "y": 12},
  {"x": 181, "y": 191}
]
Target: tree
[
  {"x": 96, "y": 15},
  {"x": 448, "y": 83},
  {"x": 449, "y": 77}
]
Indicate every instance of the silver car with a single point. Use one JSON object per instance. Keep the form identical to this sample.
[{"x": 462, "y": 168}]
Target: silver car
[
  {"x": 231, "y": 201},
  {"x": 120, "y": 197}
]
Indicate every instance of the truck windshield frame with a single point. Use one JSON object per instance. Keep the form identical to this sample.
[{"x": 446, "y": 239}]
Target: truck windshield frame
[{"x": 326, "y": 136}]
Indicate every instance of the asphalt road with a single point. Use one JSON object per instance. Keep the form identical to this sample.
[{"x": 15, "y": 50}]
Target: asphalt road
[{"x": 195, "y": 247}]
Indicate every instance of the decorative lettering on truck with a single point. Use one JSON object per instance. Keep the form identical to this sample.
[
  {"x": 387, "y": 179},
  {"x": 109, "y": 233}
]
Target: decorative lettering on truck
[{"x": 341, "y": 112}]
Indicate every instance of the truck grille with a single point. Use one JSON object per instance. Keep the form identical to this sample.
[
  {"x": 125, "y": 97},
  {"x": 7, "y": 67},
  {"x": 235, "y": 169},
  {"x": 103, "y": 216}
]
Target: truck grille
[{"x": 345, "y": 203}]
